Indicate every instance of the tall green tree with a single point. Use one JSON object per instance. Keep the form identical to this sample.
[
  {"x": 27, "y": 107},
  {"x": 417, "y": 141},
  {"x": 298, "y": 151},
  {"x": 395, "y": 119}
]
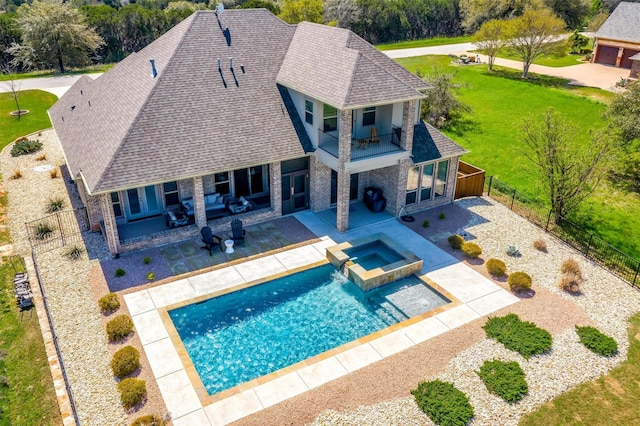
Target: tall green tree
[
  {"x": 535, "y": 33},
  {"x": 476, "y": 12},
  {"x": 441, "y": 106},
  {"x": 567, "y": 169},
  {"x": 296, "y": 11},
  {"x": 490, "y": 39},
  {"x": 57, "y": 34},
  {"x": 574, "y": 12},
  {"x": 9, "y": 34},
  {"x": 624, "y": 114}
]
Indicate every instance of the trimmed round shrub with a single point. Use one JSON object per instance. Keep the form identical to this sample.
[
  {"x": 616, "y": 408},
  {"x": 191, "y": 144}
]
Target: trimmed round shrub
[
  {"x": 455, "y": 241},
  {"x": 119, "y": 272},
  {"x": 109, "y": 302},
  {"x": 149, "y": 420},
  {"x": 472, "y": 250},
  {"x": 596, "y": 341},
  {"x": 119, "y": 328},
  {"x": 443, "y": 403},
  {"x": 519, "y": 281},
  {"x": 505, "y": 379},
  {"x": 125, "y": 361},
  {"x": 571, "y": 266},
  {"x": 496, "y": 267},
  {"x": 523, "y": 337},
  {"x": 132, "y": 392}
]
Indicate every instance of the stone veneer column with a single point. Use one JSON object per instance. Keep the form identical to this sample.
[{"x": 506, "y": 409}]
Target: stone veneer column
[
  {"x": 408, "y": 115},
  {"x": 401, "y": 185},
  {"x": 344, "y": 156},
  {"x": 275, "y": 178},
  {"x": 320, "y": 183},
  {"x": 199, "y": 212},
  {"x": 110, "y": 227}
]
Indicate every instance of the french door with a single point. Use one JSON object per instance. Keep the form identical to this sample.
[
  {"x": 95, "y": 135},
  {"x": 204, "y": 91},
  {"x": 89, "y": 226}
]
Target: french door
[
  {"x": 143, "y": 202},
  {"x": 295, "y": 192}
]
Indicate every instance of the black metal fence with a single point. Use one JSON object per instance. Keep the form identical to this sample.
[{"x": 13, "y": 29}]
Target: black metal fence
[
  {"x": 57, "y": 230},
  {"x": 590, "y": 245}
]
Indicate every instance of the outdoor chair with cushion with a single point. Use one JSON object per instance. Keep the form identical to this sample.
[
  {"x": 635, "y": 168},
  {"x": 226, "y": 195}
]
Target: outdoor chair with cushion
[
  {"x": 211, "y": 241},
  {"x": 237, "y": 233}
]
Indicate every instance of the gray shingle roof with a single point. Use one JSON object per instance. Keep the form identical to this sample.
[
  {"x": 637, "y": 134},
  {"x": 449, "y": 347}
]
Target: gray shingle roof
[
  {"x": 339, "y": 68},
  {"x": 635, "y": 57},
  {"x": 189, "y": 120},
  {"x": 623, "y": 24},
  {"x": 429, "y": 144}
]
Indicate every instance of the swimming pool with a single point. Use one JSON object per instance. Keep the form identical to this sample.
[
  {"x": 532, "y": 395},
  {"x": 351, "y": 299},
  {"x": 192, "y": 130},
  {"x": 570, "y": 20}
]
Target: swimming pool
[{"x": 243, "y": 335}]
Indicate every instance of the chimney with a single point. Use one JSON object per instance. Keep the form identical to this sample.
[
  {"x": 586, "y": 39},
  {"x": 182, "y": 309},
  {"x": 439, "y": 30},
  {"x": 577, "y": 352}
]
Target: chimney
[{"x": 154, "y": 72}]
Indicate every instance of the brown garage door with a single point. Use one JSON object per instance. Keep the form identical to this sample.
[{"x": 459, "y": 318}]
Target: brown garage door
[
  {"x": 626, "y": 62},
  {"x": 607, "y": 55}
]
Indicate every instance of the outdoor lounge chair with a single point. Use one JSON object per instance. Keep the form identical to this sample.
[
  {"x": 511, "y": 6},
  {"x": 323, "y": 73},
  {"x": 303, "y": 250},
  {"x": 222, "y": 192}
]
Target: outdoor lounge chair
[
  {"x": 210, "y": 240},
  {"x": 237, "y": 233}
]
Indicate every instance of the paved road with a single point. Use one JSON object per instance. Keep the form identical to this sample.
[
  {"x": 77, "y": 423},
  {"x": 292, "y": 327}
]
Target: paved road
[
  {"x": 56, "y": 85},
  {"x": 581, "y": 74}
]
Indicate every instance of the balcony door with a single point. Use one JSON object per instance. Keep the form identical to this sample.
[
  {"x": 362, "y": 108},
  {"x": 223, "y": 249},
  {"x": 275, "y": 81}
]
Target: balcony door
[{"x": 143, "y": 202}]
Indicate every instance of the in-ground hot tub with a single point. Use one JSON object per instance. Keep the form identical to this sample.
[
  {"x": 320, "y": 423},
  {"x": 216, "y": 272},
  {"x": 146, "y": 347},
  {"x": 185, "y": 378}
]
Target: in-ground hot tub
[{"x": 373, "y": 261}]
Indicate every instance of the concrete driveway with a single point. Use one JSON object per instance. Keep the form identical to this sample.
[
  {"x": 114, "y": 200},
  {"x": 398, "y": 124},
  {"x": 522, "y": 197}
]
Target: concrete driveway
[
  {"x": 56, "y": 85},
  {"x": 581, "y": 74}
]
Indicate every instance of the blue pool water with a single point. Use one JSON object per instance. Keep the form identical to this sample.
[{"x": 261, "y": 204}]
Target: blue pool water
[
  {"x": 243, "y": 335},
  {"x": 373, "y": 255}
]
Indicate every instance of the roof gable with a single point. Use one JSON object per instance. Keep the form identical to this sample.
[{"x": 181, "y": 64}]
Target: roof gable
[{"x": 623, "y": 24}]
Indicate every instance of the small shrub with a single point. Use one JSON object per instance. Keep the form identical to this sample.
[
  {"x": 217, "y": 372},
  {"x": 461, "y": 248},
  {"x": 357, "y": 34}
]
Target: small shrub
[
  {"x": 425, "y": 223},
  {"x": 151, "y": 276},
  {"x": 119, "y": 328},
  {"x": 472, "y": 250},
  {"x": 455, "y": 241},
  {"x": 74, "y": 253},
  {"x": 513, "y": 251},
  {"x": 55, "y": 205},
  {"x": 505, "y": 379},
  {"x": 43, "y": 231},
  {"x": 570, "y": 282},
  {"x": 519, "y": 281},
  {"x": 441, "y": 216},
  {"x": 17, "y": 174},
  {"x": 125, "y": 361},
  {"x": 443, "y": 403},
  {"x": 149, "y": 420},
  {"x": 132, "y": 392},
  {"x": 571, "y": 266},
  {"x": 146, "y": 260},
  {"x": 540, "y": 245},
  {"x": 23, "y": 147},
  {"x": 53, "y": 173},
  {"x": 596, "y": 341},
  {"x": 496, "y": 267},
  {"x": 109, "y": 302},
  {"x": 42, "y": 157},
  {"x": 523, "y": 337},
  {"x": 120, "y": 272}
]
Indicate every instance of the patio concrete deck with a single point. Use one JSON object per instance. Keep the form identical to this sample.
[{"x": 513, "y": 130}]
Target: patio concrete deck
[{"x": 477, "y": 296}]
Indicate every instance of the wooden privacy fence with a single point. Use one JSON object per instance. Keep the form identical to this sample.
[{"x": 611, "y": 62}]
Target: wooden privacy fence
[{"x": 469, "y": 181}]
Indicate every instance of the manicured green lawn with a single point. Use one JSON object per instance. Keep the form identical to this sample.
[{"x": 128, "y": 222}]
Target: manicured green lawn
[
  {"x": 438, "y": 41},
  {"x": 609, "y": 400},
  {"x": 54, "y": 73},
  {"x": 549, "y": 61},
  {"x": 37, "y": 102},
  {"x": 500, "y": 100}
]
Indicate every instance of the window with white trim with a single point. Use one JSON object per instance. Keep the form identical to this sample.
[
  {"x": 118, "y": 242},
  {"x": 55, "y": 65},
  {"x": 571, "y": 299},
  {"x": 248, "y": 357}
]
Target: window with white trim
[
  {"x": 171, "y": 197},
  {"x": 426, "y": 182},
  {"x": 308, "y": 111},
  {"x": 117, "y": 205},
  {"x": 369, "y": 116},
  {"x": 330, "y": 118}
]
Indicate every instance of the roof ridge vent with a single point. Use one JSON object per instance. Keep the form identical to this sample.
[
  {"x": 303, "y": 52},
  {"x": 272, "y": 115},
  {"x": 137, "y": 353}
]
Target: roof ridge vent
[{"x": 154, "y": 72}]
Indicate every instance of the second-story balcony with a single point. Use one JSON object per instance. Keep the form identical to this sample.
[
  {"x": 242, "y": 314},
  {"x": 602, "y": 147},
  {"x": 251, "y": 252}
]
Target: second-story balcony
[{"x": 366, "y": 147}]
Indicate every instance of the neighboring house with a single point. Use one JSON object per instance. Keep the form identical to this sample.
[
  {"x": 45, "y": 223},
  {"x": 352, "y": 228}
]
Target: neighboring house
[
  {"x": 290, "y": 117},
  {"x": 617, "y": 42}
]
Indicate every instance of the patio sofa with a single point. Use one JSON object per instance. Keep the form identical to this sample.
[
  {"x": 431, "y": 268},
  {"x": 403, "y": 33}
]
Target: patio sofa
[{"x": 213, "y": 203}]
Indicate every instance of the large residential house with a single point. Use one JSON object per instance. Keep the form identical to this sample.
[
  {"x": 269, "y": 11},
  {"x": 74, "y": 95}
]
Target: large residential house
[
  {"x": 239, "y": 113},
  {"x": 617, "y": 42}
]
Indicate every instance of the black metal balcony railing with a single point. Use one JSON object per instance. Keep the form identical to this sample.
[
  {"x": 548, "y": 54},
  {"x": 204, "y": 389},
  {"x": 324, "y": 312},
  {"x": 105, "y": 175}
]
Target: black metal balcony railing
[{"x": 364, "y": 147}]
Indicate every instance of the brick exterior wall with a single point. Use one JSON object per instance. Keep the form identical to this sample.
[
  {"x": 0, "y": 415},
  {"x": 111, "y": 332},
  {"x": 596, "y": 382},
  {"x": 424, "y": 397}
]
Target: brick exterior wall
[
  {"x": 408, "y": 114},
  {"x": 635, "y": 69},
  {"x": 200, "y": 214},
  {"x": 110, "y": 227},
  {"x": 93, "y": 206},
  {"x": 344, "y": 155},
  {"x": 185, "y": 188},
  {"x": 320, "y": 182},
  {"x": 275, "y": 187},
  {"x": 387, "y": 179}
]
